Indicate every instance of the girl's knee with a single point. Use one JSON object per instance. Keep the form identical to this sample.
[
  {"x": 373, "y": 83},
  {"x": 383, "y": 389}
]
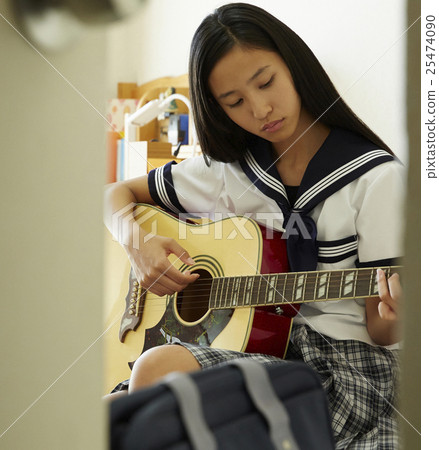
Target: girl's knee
[
  {"x": 158, "y": 362},
  {"x": 114, "y": 395}
]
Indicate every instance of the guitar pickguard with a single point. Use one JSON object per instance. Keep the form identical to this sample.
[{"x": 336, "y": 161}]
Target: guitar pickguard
[{"x": 171, "y": 329}]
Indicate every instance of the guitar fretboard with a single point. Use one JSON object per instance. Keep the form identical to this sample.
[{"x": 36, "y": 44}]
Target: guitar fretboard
[{"x": 295, "y": 287}]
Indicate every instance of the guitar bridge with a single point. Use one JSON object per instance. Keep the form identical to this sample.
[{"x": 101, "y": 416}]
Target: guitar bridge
[{"x": 134, "y": 303}]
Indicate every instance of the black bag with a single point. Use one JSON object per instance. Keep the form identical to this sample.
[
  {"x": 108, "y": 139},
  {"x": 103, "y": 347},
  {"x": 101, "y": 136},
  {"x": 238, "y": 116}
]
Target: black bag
[{"x": 243, "y": 405}]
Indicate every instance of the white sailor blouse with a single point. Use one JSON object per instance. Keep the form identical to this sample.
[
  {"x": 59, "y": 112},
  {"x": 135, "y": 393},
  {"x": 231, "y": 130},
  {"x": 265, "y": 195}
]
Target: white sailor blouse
[{"x": 350, "y": 200}]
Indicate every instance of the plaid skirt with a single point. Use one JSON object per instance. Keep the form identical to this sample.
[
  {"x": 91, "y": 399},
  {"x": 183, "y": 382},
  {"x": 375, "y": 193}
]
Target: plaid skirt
[{"x": 360, "y": 381}]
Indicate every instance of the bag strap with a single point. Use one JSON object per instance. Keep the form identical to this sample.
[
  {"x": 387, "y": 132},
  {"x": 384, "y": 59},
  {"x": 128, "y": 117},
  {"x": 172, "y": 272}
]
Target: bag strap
[
  {"x": 267, "y": 402},
  {"x": 189, "y": 401},
  {"x": 260, "y": 390}
]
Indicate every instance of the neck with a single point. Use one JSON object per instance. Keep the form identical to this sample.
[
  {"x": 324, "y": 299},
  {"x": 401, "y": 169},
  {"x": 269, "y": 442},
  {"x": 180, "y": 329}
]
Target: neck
[
  {"x": 307, "y": 138},
  {"x": 294, "y": 156}
]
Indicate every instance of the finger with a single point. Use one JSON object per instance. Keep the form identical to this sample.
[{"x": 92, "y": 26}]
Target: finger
[
  {"x": 171, "y": 286},
  {"x": 395, "y": 288},
  {"x": 169, "y": 279},
  {"x": 159, "y": 286},
  {"x": 174, "y": 279},
  {"x": 386, "y": 312},
  {"x": 383, "y": 288},
  {"x": 180, "y": 252},
  {"x": 156, "y": 290}
]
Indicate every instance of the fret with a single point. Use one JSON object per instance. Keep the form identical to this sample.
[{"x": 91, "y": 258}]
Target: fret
[
  {"x": 375, "y": 281},
  {"x": 387, "y": 272},
  {"x": 355, "y": 284},
  {"x": 229, "y": 293},
  {"x": 278, "y": 297},
  {"x": 216, "y": 282},
  {"x": 241, "y": 291},
  {"x": 293, "y": 289},
  {"x": 235, "y": 291},
  {"x": 284, "y": 298},
  {"x": 271, "y": 289},
  {"x": 244, "y": 288},
  {"x": 328, "y": 283},
  {"x": 224, "y": 295},
  {"x": 218, "y": 292},
  {"x": 221, "y": 301},
  {"x": 231, "y": 290},
  {"x": 341, "y": 284},
  {"x": 322, "y": 286},
  {"x": 254, "y": 299},
  {"x": 316, "y": 284},
  {"x": 362, "y": 288},
  {"x": 348, "y": 283},
  {"x": 248, "y": 290},
  {"x": 371, "y": 283},
  {"x": 213, "y": 293},
  {"x": 224, "y": 292},
  {"x": 335, "y": 285},
  {"x": 266, "y": 282},
  {"x": 308, "y": 292},
  {"x": 299, "y": 291}
]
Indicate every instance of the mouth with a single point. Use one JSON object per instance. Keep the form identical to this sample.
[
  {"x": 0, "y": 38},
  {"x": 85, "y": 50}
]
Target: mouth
[{"x": 272, "y": 126}]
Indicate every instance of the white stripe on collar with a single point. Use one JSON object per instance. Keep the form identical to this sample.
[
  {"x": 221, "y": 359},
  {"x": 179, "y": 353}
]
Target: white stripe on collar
[
  {"x": 263, "y": 176},
  {"x": 336, "y": 175}
]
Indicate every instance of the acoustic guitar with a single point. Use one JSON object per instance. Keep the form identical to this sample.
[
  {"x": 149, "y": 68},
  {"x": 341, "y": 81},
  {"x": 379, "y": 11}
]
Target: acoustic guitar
[{"x": 245, "y": 299}]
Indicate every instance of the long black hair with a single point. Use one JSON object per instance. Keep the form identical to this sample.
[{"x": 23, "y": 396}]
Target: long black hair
[{"x": 252, "y": 27}]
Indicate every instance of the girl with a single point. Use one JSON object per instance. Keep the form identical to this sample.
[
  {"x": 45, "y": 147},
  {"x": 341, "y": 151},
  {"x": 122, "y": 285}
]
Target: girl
[{"x": 279, "y": 142}]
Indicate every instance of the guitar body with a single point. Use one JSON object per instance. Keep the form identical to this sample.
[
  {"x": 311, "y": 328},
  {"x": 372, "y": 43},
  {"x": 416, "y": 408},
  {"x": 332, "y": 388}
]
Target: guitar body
[{"x": 230, "y": 247}]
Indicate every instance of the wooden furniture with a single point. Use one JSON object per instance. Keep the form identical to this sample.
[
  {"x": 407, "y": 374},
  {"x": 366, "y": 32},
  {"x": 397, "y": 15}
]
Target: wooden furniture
[
  {"x": 159, "y": 153},
  {"x": 150, "y": 91}
]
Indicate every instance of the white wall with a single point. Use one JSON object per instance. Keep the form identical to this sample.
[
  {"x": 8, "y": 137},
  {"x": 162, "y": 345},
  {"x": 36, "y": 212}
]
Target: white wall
[{"x": 358, "y": 43}]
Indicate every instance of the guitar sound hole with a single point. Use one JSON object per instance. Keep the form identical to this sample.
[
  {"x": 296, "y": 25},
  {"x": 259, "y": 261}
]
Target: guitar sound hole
[{"x": 193, "y": 302}]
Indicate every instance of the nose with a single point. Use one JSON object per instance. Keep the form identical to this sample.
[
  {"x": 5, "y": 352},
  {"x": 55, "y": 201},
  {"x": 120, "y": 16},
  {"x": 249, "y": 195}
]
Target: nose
[{"x": 261, "y": 108}]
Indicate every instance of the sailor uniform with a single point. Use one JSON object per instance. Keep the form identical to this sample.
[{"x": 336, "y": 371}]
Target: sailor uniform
[
  {"x": 350, "y": 197},
  {"x": 350, "y": 201}
]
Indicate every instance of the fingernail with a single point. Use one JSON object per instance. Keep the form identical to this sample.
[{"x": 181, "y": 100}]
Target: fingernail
[{"x": 190, "y": 260}]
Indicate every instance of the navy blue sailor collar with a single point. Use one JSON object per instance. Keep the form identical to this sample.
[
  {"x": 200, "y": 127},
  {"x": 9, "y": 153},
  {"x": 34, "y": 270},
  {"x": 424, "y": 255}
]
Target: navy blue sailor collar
[{"x": 343, "y": 157}]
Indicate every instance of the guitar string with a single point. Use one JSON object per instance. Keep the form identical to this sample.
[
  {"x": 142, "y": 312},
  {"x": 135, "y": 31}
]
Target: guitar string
[
  {"x": 228, "y": 301},
  {"x": 334, "y": 281},
  {"x": 363, "y": 278},
  {"x": 365, "y": 275},
  {"x": 204, "y": 287}
]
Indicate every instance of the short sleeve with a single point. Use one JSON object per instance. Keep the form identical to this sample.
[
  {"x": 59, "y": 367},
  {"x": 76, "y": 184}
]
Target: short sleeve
[
  {"x": 189, "y": 187},
  {"x": 380, "y": 221}
]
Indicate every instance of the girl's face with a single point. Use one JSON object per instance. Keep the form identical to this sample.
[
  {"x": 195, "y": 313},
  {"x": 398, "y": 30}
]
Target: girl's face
[{"x": 255, "y": 89}]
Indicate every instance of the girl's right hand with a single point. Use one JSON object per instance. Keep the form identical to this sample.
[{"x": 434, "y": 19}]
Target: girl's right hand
[
  {"x": 150, "y": 262},
  {"x": 153, "y": 269}
]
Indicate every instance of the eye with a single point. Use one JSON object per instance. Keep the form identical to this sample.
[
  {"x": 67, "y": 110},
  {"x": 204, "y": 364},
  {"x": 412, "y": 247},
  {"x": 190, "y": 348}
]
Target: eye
[
  {"x": 268, "y": 83},
  {"x": 237, "y": 103}
]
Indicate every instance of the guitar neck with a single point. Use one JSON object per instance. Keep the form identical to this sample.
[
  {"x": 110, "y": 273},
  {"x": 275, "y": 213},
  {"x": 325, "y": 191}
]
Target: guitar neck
[{"x": 295, "y": 287}]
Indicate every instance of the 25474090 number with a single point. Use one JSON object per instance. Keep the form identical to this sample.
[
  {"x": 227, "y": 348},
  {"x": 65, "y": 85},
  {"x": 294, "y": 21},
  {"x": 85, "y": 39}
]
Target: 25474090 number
[{"x": 430, "y": 38}]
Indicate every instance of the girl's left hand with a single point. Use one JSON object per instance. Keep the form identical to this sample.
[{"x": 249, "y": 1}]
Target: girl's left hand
[{"x": 390, "y": 292}]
